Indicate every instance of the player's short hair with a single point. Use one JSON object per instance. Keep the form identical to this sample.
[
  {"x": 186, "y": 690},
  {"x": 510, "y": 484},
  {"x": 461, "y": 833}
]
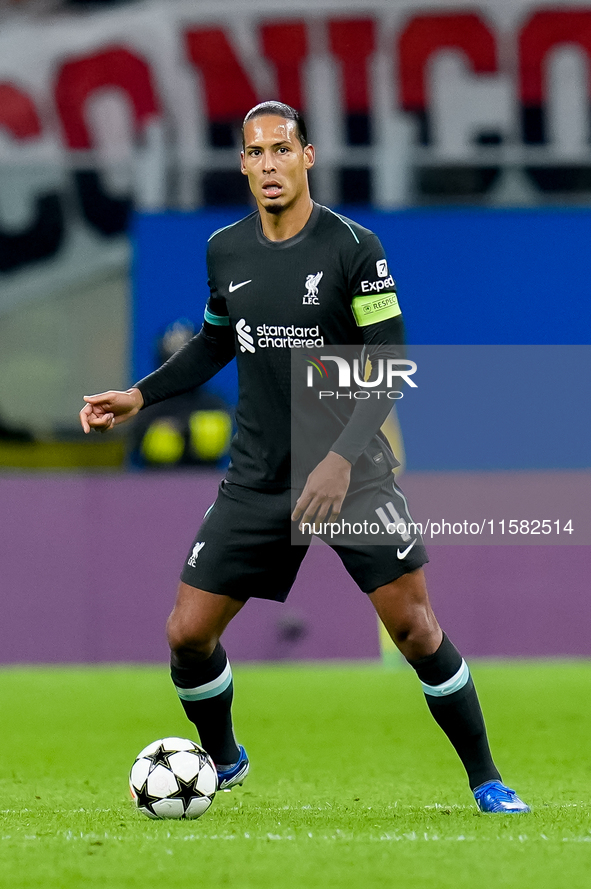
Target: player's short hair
[{"x": 280, "y": 109}]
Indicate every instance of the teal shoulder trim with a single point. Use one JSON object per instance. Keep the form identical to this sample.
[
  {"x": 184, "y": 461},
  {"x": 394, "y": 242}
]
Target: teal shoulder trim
[
  {"x": 344, "y": 221},
  {"x": 223, "y": 229}
]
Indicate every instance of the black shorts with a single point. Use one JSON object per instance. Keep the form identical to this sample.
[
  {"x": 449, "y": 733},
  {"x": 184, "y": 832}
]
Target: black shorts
[{"x": 247, "y": 545}]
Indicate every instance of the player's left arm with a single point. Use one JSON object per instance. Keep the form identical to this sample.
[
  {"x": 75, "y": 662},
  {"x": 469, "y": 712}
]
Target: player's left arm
[
  {"x": 384, "y": 340},
  {"x": 379, "y": 319},
  {"x": 327, "y": 485}
]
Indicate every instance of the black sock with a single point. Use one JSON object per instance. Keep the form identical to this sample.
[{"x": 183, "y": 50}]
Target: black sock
[
  {"x": 453, "y": 702},
  {"x": 205, "y": 690}
]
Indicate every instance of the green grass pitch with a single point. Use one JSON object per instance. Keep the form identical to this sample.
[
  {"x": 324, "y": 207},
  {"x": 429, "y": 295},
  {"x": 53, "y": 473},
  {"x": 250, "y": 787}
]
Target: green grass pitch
[{"x": 352, "y": 784}]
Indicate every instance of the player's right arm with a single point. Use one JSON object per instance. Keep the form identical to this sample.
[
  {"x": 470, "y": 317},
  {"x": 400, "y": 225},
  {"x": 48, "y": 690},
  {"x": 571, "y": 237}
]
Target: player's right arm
[
  {"x": 203, "y": 356},
  {"x": 196, "y": 363}
]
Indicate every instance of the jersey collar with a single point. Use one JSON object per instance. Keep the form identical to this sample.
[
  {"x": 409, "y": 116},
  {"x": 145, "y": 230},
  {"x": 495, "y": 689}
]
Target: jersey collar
[{"x": 289, "y": 242}]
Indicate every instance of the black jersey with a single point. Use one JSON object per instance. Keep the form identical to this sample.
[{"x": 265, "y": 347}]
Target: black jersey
[{"x": 328, "y": 285}]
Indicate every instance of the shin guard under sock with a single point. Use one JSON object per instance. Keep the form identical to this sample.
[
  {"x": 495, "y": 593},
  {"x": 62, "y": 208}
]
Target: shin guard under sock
[
  {"x": 205, "y": 690},
  {"x": 453, "y": 702}
]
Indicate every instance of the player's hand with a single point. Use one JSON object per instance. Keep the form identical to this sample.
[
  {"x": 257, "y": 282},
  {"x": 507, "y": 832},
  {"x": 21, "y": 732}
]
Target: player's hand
[
  {"x": 325, "y": 490},
  {"x": 108, "y": 409}
]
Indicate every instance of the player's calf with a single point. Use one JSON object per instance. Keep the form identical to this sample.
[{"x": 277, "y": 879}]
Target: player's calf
[
  {"x": 200, "y": 668},
  {"x": 453, "y": 702},
  {"x": 205, "y": 689}
]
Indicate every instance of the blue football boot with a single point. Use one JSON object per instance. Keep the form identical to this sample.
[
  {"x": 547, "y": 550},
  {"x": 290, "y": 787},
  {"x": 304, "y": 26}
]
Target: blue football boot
[
  {"x": 496, "y": 797},
  {"x": 228, "y": 778}
]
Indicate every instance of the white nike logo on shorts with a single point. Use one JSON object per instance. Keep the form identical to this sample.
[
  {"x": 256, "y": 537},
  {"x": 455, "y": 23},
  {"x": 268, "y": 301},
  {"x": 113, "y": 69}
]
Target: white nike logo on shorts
[
  {"x": 403, "y": 555},
  {"x": 234, "y": 287}
]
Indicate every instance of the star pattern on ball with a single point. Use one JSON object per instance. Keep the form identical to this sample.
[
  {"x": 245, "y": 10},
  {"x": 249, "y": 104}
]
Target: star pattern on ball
[
  {"x": 160, "y": 757},
  {"x": 187, "y": 791},
  {"x": 144, "y": 798},
  {"x": 156, "y": 795}
]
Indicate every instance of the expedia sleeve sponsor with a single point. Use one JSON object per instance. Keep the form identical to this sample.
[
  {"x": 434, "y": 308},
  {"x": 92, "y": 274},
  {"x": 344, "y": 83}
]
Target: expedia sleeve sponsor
[
  {"x": 378, "y": 286},
  {"x": 371, "y": 309},
  {"x": 372, "y": 287}
]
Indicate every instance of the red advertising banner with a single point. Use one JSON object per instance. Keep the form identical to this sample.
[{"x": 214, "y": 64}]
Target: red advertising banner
[{"x": 406, "y": 102}]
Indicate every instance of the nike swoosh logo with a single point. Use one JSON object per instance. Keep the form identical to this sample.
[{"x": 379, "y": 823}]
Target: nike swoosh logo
[
  {"x": 234, "y": 287},
  {"x": 403, "y": 555}
]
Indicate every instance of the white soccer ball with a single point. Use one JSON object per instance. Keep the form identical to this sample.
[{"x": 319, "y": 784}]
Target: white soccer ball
[{"x": 173, "y": 778}]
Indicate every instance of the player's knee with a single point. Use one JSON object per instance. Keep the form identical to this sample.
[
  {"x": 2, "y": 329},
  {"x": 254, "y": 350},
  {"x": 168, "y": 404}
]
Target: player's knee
[
  {"x": 416, "y": 635},
  {"x": 189, "y": 642}
]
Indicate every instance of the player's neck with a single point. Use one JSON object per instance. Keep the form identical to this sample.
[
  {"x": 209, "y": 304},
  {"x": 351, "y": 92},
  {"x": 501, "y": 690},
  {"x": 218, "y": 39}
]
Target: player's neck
[{"x": 289, "y": 222}]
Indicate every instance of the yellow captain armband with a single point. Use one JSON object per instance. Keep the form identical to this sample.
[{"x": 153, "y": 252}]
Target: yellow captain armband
[{"x": 371, "y": 309}]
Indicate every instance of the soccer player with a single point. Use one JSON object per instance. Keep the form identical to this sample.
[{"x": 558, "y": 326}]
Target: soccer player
[{"x": 291, "y": 277}]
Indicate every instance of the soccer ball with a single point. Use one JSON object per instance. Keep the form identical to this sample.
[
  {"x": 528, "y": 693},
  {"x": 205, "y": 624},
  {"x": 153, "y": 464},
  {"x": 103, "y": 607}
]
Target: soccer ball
[{"x": 173, "y": 778}]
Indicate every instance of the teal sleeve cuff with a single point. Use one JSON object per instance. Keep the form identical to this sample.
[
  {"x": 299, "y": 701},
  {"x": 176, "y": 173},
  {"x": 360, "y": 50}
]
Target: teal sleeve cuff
[{"x": 218, "y": 320}]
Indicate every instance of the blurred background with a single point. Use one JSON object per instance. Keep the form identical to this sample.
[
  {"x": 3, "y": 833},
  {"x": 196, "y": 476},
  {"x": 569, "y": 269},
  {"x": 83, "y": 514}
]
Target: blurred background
[{"x": 461, "y": 135}]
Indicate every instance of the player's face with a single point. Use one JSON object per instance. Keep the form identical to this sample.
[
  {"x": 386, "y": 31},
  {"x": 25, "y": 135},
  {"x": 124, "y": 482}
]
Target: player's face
[{"x": 275, "y": 162}]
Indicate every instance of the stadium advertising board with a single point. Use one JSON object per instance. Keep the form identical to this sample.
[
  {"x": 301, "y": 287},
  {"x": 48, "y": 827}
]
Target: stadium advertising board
[{"x": 405, "y": 101}]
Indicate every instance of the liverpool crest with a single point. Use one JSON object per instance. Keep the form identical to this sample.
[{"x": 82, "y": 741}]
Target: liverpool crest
[{"x": 312, "y": 282}]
